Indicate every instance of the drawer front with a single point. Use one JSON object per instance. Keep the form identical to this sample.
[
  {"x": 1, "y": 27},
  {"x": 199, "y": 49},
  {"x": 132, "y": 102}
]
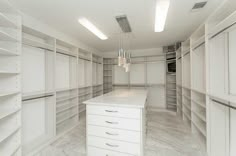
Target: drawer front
[
  {"x": 118, "y": 146},
  {"x": 113, "y": 122},
  {"x": 93, "y": 151},
  {"x": 133, "y": 113},
  {"x": 114, "y": 134}
]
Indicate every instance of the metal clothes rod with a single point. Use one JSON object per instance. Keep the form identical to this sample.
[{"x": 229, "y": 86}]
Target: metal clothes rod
[
  {"x": 186, "y": 53},
  {"x": 84, "y": 59},
  {"x": 66, "y": 54},
  {"x": 40, "y": 97},
  {"x": 38, "y": 47},
  {"x": 222, "y": 30},
  {"x": 222, "y": 103},
  {"x": 199, "y": 45}
]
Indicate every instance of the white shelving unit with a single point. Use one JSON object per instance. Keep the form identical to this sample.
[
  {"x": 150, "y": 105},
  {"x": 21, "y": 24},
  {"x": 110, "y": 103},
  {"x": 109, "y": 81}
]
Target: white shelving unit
[
  {"x": 179, "y": 81},
  {"x": 85, "y": 78},
  {"x": 38, "y": 98},
  {"x": 97, "y": 72},
  {"x": 107, "y": 74},
  {"x": 10, "y": 80},
  {"x": 198, "y": 85},
  {"x": 67, "y": 92}
]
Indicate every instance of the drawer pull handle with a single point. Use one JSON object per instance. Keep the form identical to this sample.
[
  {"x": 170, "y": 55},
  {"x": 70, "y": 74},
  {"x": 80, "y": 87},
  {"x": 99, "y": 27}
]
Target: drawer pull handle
[
  {"x": 111, "y": 122},
  {"x": 114, "y": 134},
  {"x": 110, "y": 145},
  {"x": 110, "y": 111}
]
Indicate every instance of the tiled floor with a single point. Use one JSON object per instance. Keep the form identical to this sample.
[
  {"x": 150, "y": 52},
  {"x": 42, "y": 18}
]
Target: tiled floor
[{"x": 167, "y": 135}]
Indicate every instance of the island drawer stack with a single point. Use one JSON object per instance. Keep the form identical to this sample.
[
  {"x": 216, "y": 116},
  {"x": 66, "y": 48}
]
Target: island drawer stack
[{"x": 116, "y": 131}]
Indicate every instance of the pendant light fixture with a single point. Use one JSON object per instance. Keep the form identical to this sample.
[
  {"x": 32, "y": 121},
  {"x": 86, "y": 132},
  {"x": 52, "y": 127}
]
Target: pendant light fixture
[{"x": 124, "y": 59}]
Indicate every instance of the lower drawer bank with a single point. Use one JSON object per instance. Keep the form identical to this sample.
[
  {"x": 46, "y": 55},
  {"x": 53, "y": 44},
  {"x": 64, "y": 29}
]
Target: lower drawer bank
[{"x": 116, "y": 130}]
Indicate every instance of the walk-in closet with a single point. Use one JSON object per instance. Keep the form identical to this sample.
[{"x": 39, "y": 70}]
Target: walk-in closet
[{"x": 118, "y": 78}]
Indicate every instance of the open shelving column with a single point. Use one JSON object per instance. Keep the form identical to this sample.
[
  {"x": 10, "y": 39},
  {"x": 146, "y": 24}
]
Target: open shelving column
[
  {"x": 198, "y": 85},
  {"x": 107, "y": 75},
  {"x": 67, "y": 111},
  {"x": 171, "y": 98},
  {"x": 179, "y": 82},
  {"x": 97, "y": 72},
  {"x": 10, "y": 80},
  {"x": 186, "y": 79},
  {"x": 85, "y": 78}
]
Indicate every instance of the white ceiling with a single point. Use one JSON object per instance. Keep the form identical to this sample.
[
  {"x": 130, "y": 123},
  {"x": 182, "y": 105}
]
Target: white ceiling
[{"x": 63, "y": 15}]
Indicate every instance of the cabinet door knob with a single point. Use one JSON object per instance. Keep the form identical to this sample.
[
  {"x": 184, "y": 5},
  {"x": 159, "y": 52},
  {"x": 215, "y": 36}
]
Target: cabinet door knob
[
  {"x": 112, "y": 122},
  {"x": 114, "y": 134},
  {"x": 111, "y": 111},
  {"x": 110, "y": 145}
]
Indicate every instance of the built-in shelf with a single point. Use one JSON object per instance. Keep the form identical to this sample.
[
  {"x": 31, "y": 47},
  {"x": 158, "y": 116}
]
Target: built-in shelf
[
  {"x": 63, "y": 120},
  {"x": 7, "y": 37},
  {"x": 34, "y": 43},
  {"x": 7, "y": 52},
  {"x": 72, "y": 106},
  {"x": 6, "y": 113},
  {"x": 9, "y": 72},
  {"x": 66, "y": 98},
  {"x": 8, "y": 93},
  {"x": 8, "y": 133},
  {"x": 5, "y": 21}
]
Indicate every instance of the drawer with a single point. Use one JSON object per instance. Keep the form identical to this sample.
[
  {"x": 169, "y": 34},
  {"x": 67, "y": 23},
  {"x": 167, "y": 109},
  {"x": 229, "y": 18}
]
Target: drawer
[
  {"x": 114, "y": 145},
  {"x": 133, "y": 113},
  {"x": 113, "y": 122},
  {"x": 114, "y": 134},
  {"x": 93, "y": 151}
]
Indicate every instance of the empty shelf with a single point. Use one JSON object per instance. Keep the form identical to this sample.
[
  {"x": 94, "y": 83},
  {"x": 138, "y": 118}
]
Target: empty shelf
[
  {"x": 37, "y": 44},
  {"x": 7, "y": 52},
  {"x": 5, "y": 113},
  {"x": 71, "y": 116},
  {"x": 6, "y": 21},
  {"x": 6, "y": 37},
  {"x": 6, "y": 134},
  {"x": 8, "y": 93}
]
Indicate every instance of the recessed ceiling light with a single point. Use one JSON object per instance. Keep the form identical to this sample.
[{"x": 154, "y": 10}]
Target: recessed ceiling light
[
  {"x": 162, "y": 7},
  {"x": 87, "y": 24}
]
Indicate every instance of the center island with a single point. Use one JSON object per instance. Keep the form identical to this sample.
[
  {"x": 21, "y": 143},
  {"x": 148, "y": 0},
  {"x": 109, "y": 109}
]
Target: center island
[{"x": 116, "y": 123}]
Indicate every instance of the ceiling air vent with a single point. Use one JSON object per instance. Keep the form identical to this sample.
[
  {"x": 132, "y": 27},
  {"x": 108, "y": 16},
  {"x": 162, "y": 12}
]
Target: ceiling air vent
[
  {"x": 199, "y": 5},
  {"x": 124, "y": 23}
]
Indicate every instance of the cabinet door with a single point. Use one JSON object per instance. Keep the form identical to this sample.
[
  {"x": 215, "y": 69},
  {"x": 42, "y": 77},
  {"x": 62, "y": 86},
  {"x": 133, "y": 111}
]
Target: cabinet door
[
  {"x": 232, "y": 132},
  {"x": 219, "y": 129}
]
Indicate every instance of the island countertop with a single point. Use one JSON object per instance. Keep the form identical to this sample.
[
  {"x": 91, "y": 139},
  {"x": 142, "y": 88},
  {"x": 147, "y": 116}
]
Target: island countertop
[{"x": 121, "y": 98}]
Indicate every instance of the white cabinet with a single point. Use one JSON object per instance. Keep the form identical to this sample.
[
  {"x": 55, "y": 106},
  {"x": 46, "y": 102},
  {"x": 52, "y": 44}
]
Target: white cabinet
[
  {"x": 219, "y": 129},
  {"x": 232, "y": 132}
]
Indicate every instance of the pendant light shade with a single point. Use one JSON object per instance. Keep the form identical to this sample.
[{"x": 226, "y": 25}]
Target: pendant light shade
[
  {"x": 124, "y": 59},
  {"x": 120, "y": 57}
]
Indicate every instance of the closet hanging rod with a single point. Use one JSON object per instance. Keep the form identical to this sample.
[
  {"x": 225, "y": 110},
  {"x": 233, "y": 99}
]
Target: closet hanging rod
[
  {"x": 222, "y": 103},
  {"x": 39, "y": 97},
  {"x": 38, "y": 47},
  {"x": 84, "y": 59},
  {"x": 186, "y": 53},
  {"x": 66, "y": 54},
  {"x": 222, "y": 30},
  {"x": 198, "y": 46}
]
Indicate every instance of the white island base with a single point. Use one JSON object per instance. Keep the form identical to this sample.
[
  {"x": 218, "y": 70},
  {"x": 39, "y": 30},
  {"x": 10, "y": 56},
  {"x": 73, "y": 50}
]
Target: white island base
[{"x": 116, "y": 123}]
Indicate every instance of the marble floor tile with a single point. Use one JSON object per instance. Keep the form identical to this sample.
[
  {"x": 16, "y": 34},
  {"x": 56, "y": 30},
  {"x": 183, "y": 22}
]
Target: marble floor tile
[{"x": 167, "y": 135}]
